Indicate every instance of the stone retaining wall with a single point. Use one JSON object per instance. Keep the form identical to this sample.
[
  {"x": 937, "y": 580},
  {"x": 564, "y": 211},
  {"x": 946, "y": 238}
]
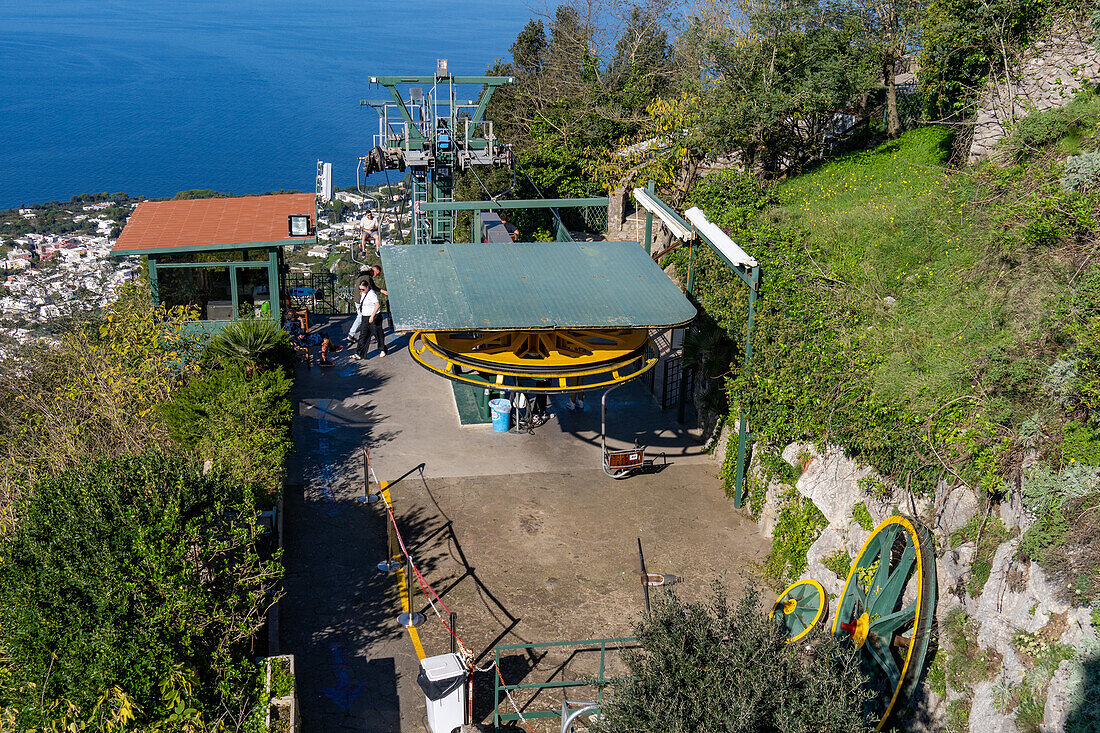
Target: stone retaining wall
[{"x": 1049, "y": 75}]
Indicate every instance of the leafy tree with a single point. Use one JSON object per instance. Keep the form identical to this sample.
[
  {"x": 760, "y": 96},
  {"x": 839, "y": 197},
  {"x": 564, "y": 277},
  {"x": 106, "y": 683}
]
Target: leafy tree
[
  {"x": 779, "y": 80},
  {"x": 967, "y": 41},
  {"x": 91, "y": 394},
  {"x": 710, "y": 666},
  {"x": 891, "y": 28},
  {"x": 120, "y": 572},
  {"x": 584, "y": 77}
]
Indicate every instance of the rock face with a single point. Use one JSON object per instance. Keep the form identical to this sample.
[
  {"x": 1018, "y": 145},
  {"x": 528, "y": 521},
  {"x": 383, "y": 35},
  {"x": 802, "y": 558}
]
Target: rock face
[
  {"x": 1048, "y": 76},
  {"x": 1017, "y": 597}
]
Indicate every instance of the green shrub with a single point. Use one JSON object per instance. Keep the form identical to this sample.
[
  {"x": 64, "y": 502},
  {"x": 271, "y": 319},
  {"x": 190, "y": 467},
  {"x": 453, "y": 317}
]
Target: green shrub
[
  {"x": 958, "y": 715},
  {"x": 254, "y": 343},
  {"x": 716, "y": 667},
  {"x": 240, "y": 424},
  {"x": 1038, "y": 130},
  {"x": 1080, "y": 444},
  {"x": 798, "y": 525},
  {"x": 989, "y": 532},
  {"x": 1030, "y": 711},
  {"x": 876, "y": 487},
  {"x": 1046, "y": 495},
  {"x": 936, "y": 677},
  {"x": 965, "y": 662},
  {"x": 118, "y": 573},
  {"x": 282, "y": 681},
  {"x": 1041, "y": 129},
  {"x": 1087, "y": 365},
  {"x": 840, "y": 562},
  {"x": 862, "y": 516}
]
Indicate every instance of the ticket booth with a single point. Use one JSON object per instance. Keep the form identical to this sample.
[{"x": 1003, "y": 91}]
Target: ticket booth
[{"x": 223, "y": 256}]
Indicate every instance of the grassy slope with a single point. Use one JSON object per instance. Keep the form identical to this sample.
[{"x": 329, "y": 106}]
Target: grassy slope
[
  {"x": 994, "y": 274},
  {"x": 895, "y": 223}
]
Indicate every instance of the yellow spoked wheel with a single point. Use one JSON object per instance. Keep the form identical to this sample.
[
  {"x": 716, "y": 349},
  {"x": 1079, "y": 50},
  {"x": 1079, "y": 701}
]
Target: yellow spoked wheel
[
  {"x": 536, "y": 361},
  {"x": 801, "y": 607},
  {"x": 886, "y": 611}
]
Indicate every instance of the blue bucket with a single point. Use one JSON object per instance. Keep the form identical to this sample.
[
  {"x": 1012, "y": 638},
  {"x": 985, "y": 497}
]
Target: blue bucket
[{"x": 502, "y": 414}]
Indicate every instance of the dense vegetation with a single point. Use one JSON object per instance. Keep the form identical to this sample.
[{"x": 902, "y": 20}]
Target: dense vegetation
[
  {"x": 134, "y": 574},
  {"x": 936, "y": 320},
  {"x": 120, "y": 573},
  {"x": 938, "y": 324},
  {"x": 718, "y": 667}
]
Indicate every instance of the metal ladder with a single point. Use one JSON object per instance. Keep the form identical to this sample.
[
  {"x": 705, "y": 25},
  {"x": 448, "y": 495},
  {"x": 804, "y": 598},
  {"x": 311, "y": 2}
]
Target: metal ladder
[
  {"x": 422, "y": 227},
  {"x": 443, "y": 190}
]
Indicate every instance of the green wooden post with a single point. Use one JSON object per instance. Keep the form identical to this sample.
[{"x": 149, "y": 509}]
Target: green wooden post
[
  {"x": 650, "y": 187},
  {"x": 154, "y": 290},
  {"x": 475, "y": 227},
  {"x": 233, "y": 315},
  {"x": 273, "y": 284},
  {"x": 743, "y": 427}
]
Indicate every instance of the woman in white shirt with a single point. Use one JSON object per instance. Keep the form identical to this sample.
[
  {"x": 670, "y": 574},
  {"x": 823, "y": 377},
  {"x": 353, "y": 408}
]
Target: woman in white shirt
[{"x": 368, "y": 307}]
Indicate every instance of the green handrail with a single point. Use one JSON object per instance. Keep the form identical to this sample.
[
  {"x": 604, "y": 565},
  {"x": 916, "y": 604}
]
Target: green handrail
[{"x": 600, "y": 682}]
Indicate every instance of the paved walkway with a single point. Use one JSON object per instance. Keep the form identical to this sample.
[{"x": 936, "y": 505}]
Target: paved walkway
[{"x": 510, "y": 497}]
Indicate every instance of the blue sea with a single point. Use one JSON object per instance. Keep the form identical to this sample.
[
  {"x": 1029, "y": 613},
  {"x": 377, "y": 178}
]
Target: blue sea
[{"x": 152, "y": 97}]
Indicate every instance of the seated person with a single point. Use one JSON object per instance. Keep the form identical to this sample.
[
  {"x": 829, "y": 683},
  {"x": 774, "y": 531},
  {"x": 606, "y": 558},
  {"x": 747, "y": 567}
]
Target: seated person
[{"x": 326, "y": 346}]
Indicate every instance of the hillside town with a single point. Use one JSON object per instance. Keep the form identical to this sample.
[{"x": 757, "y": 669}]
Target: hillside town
[{"x": 46, "y": 276}]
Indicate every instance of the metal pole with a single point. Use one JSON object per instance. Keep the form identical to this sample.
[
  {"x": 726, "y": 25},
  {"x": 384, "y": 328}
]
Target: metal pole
[
  {"x": 743, "y": 427},
  {"x": 366, "y": 472},
  {"x": 691, "y": 268},
  {"x": 649, "y": 222},
  {"x": 645, "y": 584}
]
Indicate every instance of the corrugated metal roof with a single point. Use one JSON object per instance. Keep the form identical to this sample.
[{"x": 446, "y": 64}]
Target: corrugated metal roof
[
  {"x": 212, "y": 223},
  {"x": 513, "y": 286}
]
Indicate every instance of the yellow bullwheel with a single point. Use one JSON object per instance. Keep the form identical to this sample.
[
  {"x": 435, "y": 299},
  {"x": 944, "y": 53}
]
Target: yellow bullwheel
[{"x": 886, "y": 611}]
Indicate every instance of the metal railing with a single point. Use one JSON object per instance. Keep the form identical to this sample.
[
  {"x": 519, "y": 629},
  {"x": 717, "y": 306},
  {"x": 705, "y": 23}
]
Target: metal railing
[
  {"x": 324, "y": 300},
  {"x": 502, "y": 691}
]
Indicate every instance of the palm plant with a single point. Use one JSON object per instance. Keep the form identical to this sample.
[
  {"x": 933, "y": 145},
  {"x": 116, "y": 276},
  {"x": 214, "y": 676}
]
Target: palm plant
[{"x": 251, "y": 342}]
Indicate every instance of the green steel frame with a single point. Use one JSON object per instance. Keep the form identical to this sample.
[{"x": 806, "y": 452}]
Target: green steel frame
[
  {"x": 561, "y": 234},
  {"x": 599, "y": 683},
  {"x": 438, "y": 186},
  {"x": 751, "y": 277}
]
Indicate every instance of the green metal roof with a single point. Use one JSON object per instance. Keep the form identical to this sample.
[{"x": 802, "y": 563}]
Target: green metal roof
[{"x": 504, "y": 287}]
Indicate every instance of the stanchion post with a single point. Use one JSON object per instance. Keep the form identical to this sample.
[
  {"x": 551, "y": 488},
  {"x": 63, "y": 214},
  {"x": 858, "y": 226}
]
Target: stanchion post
[
  {"x": 390, "y": 564},
  {"x": 411, "y": 618}
]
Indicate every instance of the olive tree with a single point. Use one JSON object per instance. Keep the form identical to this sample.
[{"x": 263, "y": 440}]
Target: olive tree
[{"x": 712, "y": 666}]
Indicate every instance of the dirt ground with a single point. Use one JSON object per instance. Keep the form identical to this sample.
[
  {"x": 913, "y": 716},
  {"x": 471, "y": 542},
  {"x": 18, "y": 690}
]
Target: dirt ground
[
  {"x": 522, "y": 536},
  {"x": 554, "y": 557}
]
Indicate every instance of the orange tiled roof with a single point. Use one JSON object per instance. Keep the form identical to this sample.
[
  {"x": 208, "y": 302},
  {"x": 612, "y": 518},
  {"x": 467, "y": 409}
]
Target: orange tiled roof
[{"x": 212, "y": 223}]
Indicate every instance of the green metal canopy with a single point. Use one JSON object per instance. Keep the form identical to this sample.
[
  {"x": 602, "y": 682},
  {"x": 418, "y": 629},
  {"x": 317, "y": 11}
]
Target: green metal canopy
[{"x": 524, "y": 286}]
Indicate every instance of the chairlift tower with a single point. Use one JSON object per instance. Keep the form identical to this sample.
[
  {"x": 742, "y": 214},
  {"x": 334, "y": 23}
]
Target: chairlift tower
[{"x": 431, "y": 132}]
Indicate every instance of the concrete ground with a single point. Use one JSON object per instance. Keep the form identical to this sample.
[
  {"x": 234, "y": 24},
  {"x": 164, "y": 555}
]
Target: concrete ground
[{"x": 522, "y": 536}]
